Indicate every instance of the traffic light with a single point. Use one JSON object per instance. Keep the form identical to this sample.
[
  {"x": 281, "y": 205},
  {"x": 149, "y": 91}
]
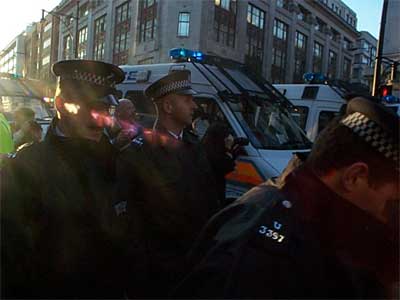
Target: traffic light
[{"x": 385, "y": 90}]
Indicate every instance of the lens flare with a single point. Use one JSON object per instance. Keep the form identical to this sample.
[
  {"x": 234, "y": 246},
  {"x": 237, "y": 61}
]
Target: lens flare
[
  {"x": 102, "y": 119},
  {"x": 72, "y": 108}
]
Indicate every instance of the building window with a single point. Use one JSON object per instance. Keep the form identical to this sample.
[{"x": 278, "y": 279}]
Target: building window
[
  {"x": 320, "y": 25},
  {"x": 364, "y": 60},
  {"x": 147, "y": 20},
  {"x": 122, "y": 34},
  {"x": 372, "y": 57},
  {"x": 183, "y": 24},
  {"x": 99, "y": 38},
  {"x": 334, "y": 35},
  {"x": 332, "y": 62},
  {"x": 84, "y": 10},
  {"x": 279, "y": 49},
  {"x": 356, "y": 73},
  {"x": 303, "y": 14},
  {"x": 317, "y": 57},
  {"x": 225, "y": 22},
  {"x": 45, "y": 60},
  {"x": 82, "y": 42},
  {"x": 255, "y": 34},
  {"x": 47, "y": 27},
  {"x": 46, "y": 43},
  {"x": 346, "y": 44},
  {"x": 346, "y": 69},
  {"x": 300, "y": 57},
  {"x": 67, "y": 47},
  {"x": 225, "y": 4},
  {"x": 282, "y": 3}
]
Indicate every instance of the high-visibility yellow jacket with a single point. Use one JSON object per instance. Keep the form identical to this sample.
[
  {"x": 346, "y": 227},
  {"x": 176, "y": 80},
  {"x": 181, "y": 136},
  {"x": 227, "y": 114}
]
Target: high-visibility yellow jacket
[{"x": 6, "y": 141}]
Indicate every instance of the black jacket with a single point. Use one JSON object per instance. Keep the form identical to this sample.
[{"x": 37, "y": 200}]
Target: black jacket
[
  {"x": 57, "y": 234},
  {"x": 167, "y": 192},
  {"x": 299, "y": 242}
]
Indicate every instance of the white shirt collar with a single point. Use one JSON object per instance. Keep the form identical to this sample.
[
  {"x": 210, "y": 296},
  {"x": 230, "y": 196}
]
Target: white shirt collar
[{"x": 176, "y": 136}]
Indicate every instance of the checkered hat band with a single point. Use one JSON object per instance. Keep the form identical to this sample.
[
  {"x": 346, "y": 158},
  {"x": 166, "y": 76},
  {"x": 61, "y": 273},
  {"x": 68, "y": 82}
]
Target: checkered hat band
[
  {"x": 89, "y": 78},
  {"x": 173, "y": 87},
  {"x": 373, "y": 134}
]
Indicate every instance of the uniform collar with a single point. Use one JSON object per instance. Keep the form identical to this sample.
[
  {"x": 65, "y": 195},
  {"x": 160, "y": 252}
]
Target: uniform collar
[{"x": 176, "y": 136}]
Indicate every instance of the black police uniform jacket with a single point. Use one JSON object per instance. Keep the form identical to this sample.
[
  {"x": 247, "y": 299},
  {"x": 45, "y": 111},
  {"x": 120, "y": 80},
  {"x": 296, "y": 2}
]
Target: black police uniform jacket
[
  {"x": 299, "y": 242},
  {"x": 167, "y": 192},
  {"x": 57, "y": 238}
]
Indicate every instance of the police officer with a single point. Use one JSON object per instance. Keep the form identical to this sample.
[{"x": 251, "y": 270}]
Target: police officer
[
  {"x": 165, "y": 187},
  {"x": 331, "y": 230},
  {"x": 56, "y": 237}
]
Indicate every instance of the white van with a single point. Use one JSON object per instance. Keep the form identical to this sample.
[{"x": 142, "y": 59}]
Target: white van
[
  {"x": 316, "y": 105},
  {"x": 251, "y": 107}
]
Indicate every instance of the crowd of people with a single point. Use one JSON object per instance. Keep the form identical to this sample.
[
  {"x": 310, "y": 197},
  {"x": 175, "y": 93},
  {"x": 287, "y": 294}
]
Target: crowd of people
[{"x": 104, "y": 208}]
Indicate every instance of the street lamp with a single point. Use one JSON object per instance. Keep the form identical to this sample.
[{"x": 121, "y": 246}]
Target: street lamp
[{"x": 76, "y": 18}]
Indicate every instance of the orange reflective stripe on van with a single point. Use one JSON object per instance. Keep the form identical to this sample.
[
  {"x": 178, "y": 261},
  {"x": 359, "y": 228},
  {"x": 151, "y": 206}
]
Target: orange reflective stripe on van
[{"x": 245, "y": 173}]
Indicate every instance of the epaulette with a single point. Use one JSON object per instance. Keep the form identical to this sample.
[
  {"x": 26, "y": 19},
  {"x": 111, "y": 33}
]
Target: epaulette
[
  {"x": 274, "y": 228},
  {"x": 264, "y": 219},
  {"x": 139, "y": 140}
]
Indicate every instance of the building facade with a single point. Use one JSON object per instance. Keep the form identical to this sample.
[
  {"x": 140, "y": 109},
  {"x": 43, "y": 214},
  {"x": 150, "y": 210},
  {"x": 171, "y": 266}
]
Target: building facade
[
  {"x": 12, "y": 58},
  {"x": 280, "y": 39},
  {"x": 364, "y": 59}
]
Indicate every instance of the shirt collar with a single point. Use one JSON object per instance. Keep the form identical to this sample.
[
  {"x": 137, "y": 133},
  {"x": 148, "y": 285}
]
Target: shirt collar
[{"x": 176, "y": 136}]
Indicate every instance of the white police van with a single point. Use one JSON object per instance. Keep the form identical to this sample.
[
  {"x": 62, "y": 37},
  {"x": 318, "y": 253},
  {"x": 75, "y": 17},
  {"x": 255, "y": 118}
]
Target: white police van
[
  {"x": 316, "y": 105},
  {"x": 250, "y": 106}
]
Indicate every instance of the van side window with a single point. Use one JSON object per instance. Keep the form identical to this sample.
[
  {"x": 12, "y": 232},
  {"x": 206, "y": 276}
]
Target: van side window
[
  {"x": 324, "y": 118},
  {"x": 300, "y": 115},
  {"x": 206, "y": 114}
]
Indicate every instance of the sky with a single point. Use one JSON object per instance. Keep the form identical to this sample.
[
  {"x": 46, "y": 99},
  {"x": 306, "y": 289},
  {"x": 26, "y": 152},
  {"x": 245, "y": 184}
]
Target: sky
[{"x": 15, "y": 15}]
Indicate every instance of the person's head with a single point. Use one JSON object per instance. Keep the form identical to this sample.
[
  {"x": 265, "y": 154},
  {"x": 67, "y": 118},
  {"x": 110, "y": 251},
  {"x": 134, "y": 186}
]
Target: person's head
[
  {"x": 85, "y": 95},
  {"x": 125, "y": 111},
  {"x": 357, "y": 156},
  {"x": 22, "y": 115},
  {"x": 173, "y": 96}
]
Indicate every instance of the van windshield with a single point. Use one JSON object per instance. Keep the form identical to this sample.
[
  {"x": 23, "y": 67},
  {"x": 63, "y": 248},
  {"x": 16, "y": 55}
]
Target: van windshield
[{"x": 268, "y": 125}]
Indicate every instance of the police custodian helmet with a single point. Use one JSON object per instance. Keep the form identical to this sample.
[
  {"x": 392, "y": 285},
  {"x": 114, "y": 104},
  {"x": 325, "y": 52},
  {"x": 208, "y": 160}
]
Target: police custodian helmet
[
  {"x": 377, "y": 125},
  {"x": 88, "y": 80},
  {"x": 177, "y": 82}
]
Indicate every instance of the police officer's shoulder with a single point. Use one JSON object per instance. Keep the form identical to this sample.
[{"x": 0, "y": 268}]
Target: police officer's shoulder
[
  {"x": 28, "y": 151},
  {"x": 27, "y": 157},
  {"x": 261, "y": 206},
  {"x": 274, "y": 229}
]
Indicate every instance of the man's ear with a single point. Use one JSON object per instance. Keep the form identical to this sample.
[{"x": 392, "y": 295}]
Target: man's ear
[
  {"x": 167, "y": 106},
  {"x": 355, "y": 177}
]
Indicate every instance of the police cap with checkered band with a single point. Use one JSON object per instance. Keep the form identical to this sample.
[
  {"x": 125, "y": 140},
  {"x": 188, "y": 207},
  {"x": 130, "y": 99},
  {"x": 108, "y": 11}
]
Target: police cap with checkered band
[
  {"x": 376, "y": 124},
  {"x": 88, "y": 80},
  {"x": 176, "y": 82}
]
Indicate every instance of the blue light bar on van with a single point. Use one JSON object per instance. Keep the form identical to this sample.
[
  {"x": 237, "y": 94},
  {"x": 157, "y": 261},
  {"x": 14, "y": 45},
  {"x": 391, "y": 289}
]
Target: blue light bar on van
[
  {"x": 314, "y": 78},
  {"x": 390, "y": 99},
  {"x": 185, "y": 54}
]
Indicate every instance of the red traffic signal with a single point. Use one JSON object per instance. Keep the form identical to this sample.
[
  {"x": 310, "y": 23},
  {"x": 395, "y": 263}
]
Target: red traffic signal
[{"x": 385, "y": 90}]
